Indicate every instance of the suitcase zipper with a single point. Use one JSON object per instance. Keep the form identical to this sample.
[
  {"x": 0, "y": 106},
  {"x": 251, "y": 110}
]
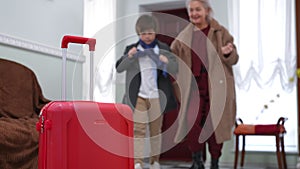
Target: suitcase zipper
[{"x": 43, "y": 125}]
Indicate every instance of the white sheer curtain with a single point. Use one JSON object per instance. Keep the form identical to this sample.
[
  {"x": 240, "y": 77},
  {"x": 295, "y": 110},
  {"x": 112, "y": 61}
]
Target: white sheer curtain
[
  {"x": 265, "y": 76},
  {"x": 98, "y": 18}
]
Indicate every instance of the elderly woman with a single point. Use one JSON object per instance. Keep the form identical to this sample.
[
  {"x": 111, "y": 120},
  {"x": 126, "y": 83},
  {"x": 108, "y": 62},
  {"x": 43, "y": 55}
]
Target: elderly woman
[{"x": 205, "y": 83}]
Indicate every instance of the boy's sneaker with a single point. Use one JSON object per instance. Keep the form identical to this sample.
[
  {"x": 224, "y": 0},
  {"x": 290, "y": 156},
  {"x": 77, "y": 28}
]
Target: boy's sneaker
[
  {"x": 138, "y": 166},
  {"x": 155, "y": 165}
]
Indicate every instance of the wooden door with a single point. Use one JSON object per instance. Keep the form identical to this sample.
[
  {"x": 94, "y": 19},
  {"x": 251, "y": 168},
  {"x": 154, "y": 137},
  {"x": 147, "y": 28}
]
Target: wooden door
[
  {"x": 169, "y": 28},
  {"x": 171, "y": 22}
]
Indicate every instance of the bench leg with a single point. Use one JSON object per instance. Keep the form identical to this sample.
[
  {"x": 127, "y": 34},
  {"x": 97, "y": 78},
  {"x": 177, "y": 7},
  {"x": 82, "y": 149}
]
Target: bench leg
[
  {"x": 283, "y": 152},
  {"x": 236, "y": 151},
  {"x": 278, "y": 152},
  {"x": 243, "y": 151}
]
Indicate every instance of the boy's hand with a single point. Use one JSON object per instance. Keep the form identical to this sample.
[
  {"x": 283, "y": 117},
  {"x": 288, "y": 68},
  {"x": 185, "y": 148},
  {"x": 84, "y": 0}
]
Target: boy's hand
[
  {"x": 131, "y": 52},
  {"x": 164, "y": 59}
]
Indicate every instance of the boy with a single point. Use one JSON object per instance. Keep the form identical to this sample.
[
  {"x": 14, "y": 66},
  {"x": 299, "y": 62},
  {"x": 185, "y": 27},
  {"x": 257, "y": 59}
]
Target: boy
[{"x": 148, "y": 88}]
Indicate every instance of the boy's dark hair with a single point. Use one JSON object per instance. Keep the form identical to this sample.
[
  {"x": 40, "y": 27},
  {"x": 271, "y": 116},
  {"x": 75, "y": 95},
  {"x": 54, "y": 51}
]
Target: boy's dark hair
[{"x": 144, "y": 23}]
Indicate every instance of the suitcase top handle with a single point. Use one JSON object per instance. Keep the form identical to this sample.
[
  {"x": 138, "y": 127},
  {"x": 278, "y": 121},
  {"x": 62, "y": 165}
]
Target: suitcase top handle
[
  {"x": 64, "y": 45},
  {"x": 77, "y": 39}
]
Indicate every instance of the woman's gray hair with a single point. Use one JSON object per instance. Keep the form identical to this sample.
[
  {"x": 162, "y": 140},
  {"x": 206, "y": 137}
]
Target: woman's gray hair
[{"x": 206, "y": 5}]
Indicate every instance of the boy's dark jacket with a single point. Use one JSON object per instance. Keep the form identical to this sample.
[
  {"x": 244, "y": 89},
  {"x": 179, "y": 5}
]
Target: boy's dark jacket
[{"x": 133, "y": 78}]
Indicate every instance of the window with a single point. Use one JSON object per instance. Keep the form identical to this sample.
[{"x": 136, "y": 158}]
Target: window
[{"x": 265, "y": 76}]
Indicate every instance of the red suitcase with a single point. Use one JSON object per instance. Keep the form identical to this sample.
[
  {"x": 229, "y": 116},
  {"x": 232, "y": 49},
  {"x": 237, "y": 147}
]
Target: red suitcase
[{"x": 85, "y": 134}]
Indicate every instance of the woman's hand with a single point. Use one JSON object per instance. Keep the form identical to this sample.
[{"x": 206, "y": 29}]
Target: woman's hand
[{"x": 227, "y": 49}]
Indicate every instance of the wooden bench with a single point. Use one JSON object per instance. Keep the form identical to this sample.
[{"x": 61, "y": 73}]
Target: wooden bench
[{"x": 277, "y": 130}]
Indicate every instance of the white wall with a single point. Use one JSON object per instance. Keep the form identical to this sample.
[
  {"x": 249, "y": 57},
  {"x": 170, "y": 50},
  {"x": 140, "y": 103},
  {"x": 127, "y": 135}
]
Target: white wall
[{"x": 42, "y": 23}]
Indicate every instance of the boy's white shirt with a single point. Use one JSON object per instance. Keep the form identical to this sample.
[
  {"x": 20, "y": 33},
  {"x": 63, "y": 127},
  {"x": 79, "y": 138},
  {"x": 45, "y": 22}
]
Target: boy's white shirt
[{"x": 148, "y": 88}]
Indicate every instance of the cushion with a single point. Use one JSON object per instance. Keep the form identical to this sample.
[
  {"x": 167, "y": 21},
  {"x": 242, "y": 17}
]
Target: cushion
[{"x": 249, "y": 129}]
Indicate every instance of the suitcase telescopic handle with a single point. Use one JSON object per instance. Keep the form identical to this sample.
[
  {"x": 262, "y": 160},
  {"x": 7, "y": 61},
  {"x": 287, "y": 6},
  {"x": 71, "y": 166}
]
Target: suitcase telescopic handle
[
  {"x": 77, "y": 39},
  {"x": 64, "y": 45}
]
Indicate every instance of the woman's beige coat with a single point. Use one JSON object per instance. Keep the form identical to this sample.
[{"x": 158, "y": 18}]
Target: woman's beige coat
[{"x": 221, "y": 81}]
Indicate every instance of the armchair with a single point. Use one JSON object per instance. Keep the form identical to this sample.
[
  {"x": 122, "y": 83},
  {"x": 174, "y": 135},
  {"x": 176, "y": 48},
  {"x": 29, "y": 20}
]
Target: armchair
[{"x": 21, "y": 100}]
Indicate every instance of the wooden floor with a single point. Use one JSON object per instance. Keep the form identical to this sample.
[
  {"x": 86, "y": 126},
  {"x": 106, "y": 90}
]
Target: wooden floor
[{"x": 186, "y": 165}]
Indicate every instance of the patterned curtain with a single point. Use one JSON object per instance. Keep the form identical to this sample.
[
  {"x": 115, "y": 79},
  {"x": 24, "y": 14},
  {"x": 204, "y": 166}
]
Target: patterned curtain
[
  {"x": 265, "y": 75},
  {"x": 98, "y": 18}
]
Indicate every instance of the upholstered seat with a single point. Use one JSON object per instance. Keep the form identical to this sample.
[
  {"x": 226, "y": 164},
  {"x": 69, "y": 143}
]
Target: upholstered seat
[{"x": 277, "y": 130}]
